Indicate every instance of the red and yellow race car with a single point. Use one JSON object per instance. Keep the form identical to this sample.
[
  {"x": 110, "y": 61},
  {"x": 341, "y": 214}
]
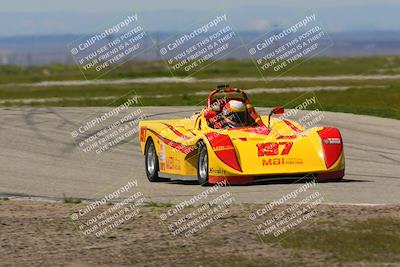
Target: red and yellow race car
[{"x": 228, "y": 141}]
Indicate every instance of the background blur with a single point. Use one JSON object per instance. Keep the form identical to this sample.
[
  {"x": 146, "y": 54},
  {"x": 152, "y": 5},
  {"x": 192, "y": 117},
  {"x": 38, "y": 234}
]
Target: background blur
[
  {"x": 358, "y": 72},
  {"x": 37, "y": 32}
]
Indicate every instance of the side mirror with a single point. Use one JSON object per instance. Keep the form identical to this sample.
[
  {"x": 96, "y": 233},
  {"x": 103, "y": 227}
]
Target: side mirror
[{"x": 277, "y": 111}]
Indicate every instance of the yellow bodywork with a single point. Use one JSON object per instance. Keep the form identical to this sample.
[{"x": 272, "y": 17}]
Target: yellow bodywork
[{"x": 176, "y": 143}]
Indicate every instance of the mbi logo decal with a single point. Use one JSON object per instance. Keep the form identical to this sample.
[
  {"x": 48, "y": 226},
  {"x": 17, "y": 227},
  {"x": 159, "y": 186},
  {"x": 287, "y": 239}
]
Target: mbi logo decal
[{"x": 281, "y": 161}]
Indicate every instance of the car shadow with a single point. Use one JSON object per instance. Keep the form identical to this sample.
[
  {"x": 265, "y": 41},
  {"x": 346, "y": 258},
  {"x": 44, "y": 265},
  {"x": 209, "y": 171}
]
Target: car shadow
[
  {"x": 264, "y": 181},
  {"x": 184, "y": 182},
  {"x": 302, "y": 181}
]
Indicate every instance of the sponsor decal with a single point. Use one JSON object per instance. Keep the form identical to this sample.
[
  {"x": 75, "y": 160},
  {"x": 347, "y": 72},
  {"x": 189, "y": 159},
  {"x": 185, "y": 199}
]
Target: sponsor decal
[
  {"x": 332, "y": 141},
  {"x": 216, "y": 171},
  {"x": 172, "y": 164},
  {"x": 281, "y": 161},
  {"x": 332, "y": 145},
  {"x": 162, "y": 152},
  {"x": 142, "y": 134},
  {"x": 221, "y": 148},
  {"x": 162, "y": 166}
]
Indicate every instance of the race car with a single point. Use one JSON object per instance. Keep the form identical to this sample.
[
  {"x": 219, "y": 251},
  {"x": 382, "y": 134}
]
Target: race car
[{"x": 228, "y": 141}]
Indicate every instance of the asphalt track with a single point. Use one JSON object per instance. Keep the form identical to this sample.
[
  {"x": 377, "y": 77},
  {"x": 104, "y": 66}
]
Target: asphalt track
[{"x": 39, "y": 158}]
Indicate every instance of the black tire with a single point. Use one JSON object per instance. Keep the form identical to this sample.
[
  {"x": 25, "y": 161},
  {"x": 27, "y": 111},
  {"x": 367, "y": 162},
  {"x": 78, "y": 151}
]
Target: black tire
[
  {"x": 202, "y": 164},
  {"x": 151, "y": 161}
]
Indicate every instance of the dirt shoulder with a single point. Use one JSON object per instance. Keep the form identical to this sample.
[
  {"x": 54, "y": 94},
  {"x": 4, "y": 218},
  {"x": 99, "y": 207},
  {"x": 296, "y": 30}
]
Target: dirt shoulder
[{"x": 35, "y": 233}]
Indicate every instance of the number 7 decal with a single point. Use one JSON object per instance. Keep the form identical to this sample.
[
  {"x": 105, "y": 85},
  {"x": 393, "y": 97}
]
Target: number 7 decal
[
  {"x": 286, "y": 149},
  {"x": 272, "y": 148}
]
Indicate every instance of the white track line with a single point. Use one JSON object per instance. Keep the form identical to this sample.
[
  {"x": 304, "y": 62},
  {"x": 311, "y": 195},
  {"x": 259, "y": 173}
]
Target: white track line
[
  {"x": 201, "y": 93},
  {"x": 157, "y": 80},
  {"x": 60, "y": 200},
  {"x": 351, "y": 204}
]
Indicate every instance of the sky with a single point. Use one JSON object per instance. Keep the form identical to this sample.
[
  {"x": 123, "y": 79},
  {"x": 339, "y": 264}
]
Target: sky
[
  {"x": 120, "y": 5},
  {"x": 41, "y": 17}
]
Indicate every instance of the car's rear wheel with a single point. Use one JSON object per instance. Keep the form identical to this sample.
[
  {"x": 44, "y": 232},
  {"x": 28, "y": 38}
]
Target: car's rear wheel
[
  {"x": 151, "y": 161},
  {"x": 202, "y": 164}
]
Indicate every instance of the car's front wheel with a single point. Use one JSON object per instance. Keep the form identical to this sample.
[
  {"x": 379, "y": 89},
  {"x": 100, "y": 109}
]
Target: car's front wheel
[
  {"x": 151, "y": 161},
  {"x": 202, "y": 164}
]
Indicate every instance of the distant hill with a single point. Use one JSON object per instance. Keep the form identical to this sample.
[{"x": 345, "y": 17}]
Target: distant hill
[{"x": 46, "y": 49}]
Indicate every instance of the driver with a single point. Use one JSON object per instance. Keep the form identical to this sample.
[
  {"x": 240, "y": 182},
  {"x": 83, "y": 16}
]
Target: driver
[{"x": 234, "y": 114}]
